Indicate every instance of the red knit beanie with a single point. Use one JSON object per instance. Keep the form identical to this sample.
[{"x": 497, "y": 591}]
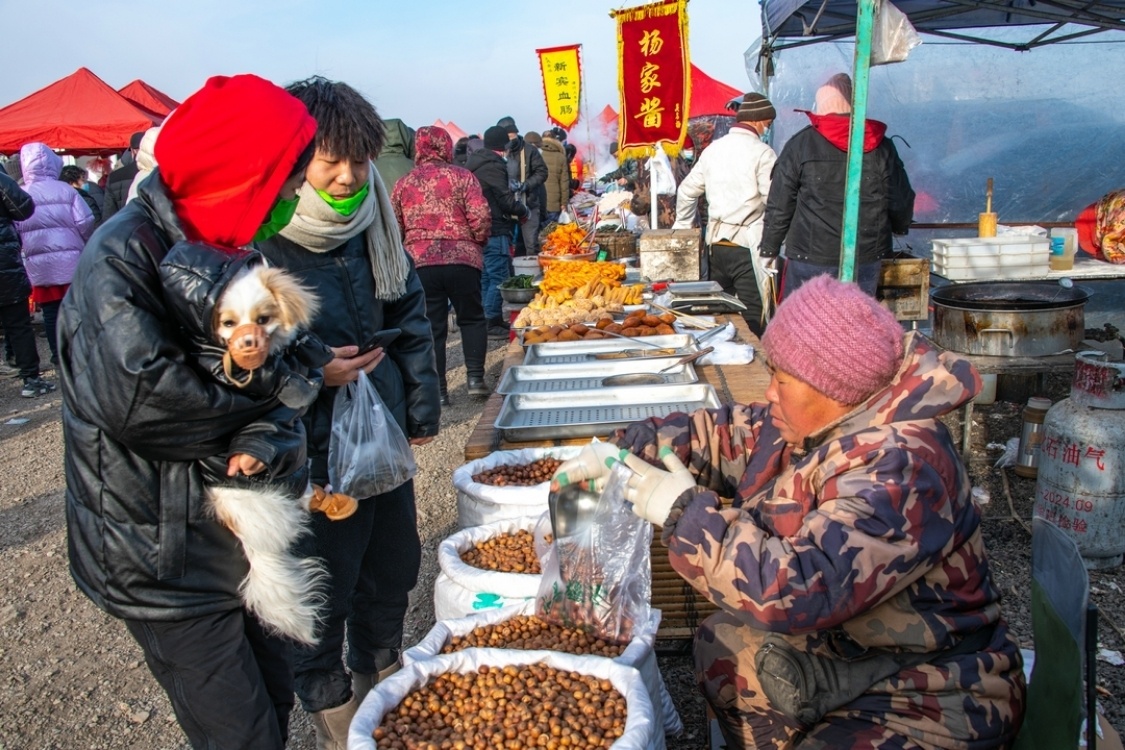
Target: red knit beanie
[
  {"x": 225, "y": 153},
  {"x": 836, "y": 338}
]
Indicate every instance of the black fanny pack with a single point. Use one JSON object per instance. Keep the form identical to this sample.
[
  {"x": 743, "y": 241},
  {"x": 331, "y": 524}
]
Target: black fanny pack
[{"x": 806, "y": 686}]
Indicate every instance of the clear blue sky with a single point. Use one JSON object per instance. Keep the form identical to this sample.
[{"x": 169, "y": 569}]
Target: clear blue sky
[{"x": 472, "y": 62}]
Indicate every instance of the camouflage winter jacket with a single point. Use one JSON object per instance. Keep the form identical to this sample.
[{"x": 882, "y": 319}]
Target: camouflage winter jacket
[{"x": 868, "y": 527}]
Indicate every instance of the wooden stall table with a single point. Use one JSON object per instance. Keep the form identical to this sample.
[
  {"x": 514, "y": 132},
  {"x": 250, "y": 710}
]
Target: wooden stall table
[
  {"x": 682, "y": 608},
  {"x": 739, "y": 383}
]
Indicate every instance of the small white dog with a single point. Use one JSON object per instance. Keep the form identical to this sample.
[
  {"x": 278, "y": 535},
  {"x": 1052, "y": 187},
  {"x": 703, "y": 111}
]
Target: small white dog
[
  {"x": 249, "y": 323},
  {"x": 259, "y": 314}
]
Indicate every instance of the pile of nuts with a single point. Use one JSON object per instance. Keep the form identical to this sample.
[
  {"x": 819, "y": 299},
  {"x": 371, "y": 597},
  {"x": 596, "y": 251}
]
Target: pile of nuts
[
  {"x": 527, "y": 475},
  {"x": 513, "y": 707},
  {"x": 526, "y": 633},
  {"x": 505, "y": 553}
]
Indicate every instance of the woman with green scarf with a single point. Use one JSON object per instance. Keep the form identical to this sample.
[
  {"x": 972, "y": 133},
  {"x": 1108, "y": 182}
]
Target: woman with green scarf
[{"x": 343, "y": 242}]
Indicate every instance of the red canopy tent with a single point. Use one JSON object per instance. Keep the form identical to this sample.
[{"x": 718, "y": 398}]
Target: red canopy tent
[
  {"x": 709, "y": 96},
  {"x": 79, "y": 115},
  {"x": 148, "y": 97},
  {"x": 450, "y": 127}
]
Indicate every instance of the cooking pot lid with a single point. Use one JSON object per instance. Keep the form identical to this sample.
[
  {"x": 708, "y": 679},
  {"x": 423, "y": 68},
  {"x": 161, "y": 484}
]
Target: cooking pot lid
[{"x": 1010, "y": 295}]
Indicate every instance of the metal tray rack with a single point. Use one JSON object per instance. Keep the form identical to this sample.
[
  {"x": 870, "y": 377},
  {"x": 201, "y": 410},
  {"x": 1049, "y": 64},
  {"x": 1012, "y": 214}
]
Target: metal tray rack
[
  {"x": 587, "y": 376},
  {"x": 568, "y": 414},
  {"x": 584, "y": 352}
]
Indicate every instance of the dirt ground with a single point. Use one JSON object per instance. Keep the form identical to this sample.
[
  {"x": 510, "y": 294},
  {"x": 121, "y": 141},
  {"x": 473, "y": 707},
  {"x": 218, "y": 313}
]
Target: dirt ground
[{"x": 70, "y": 676}]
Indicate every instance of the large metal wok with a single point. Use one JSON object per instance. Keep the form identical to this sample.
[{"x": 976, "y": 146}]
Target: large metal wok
[{"x": 1009, "y": 318}]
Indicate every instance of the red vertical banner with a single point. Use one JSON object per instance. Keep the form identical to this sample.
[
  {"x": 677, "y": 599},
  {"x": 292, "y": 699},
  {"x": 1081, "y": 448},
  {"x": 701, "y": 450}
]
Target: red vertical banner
[{"x": 653, "y": 77}]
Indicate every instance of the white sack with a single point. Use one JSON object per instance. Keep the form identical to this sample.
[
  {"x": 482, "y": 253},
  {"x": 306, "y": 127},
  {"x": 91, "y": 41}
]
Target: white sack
[
  {"x": 461, "y": 589},
  {"x": 479, "y": 504},
  {"x": 639, "y": 723},
  {"x": 640, "y": 654}
]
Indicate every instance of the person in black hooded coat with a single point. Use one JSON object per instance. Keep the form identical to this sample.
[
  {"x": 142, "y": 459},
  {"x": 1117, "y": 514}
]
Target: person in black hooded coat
[{"x": 16, "y": 205}]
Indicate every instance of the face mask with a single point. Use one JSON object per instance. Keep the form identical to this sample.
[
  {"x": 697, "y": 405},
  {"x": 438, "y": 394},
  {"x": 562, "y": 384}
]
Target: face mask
[
  {"x": 688, "y": 154},
  {"x": 344, "y": 206},
  {"x": 279, "y": 218}
]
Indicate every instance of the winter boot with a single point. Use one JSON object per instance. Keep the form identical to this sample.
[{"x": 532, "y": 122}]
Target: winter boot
[
  {"x": 477, "y": 387},
  {"x": 332, "y": 724}
]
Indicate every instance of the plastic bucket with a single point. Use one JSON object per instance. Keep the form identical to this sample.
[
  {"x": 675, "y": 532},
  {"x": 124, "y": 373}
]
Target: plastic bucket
[{"x": 525, "y": 266}]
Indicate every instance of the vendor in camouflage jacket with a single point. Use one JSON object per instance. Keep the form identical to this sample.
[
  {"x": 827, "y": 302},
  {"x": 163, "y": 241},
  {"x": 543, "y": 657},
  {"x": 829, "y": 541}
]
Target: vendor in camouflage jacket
[{"x": 851, "y": 522}]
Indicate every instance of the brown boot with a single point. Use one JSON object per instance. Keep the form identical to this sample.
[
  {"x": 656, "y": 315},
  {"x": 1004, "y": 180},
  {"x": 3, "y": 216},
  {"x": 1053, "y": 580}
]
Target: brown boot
[{"x": 332, "y": 725}]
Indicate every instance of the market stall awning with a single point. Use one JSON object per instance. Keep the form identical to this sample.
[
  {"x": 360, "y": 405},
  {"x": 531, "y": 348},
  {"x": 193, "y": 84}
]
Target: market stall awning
[
  {"x": 148, "y": 97},
  {"x": 80, "y": 114},
  {"x": 791, "y": 23}
]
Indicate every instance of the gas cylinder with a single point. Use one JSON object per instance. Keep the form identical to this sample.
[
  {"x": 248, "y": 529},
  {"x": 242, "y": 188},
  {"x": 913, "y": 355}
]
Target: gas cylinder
[{"x": 1081, "y": 483}]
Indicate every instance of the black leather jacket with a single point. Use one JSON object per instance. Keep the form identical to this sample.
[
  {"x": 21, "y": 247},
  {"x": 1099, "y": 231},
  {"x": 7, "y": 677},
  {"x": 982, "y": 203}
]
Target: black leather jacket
[
  {"x": 15, "y": 205},
  {"x": 350, "y": 314},
  {"x": 139, "y": 418}
]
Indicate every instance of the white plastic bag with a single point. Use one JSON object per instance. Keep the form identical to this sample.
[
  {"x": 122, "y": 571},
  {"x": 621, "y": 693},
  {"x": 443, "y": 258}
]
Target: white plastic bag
[
  {"x": 367, "y": 452},
  {"x": 640, "y": 724},
  {"x": 461, "y": 589},
  {"x": 640, "y": 654},
  {"x": 664, "y": 183},
  {"x": 479, "y": 503},
  {"x": 601, "y": 577},
  {"x": 893, "y": 35}
]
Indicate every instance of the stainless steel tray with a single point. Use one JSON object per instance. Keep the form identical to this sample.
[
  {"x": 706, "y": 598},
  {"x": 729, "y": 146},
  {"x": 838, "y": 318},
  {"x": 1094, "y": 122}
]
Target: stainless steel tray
[
  {"x": 578, "y": 352},
  {"x": 546, "y": 416},
  {"x": 586, "y": 376}
]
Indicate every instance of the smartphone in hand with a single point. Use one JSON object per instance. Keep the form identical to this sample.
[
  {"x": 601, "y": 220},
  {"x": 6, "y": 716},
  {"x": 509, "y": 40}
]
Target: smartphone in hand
[{"x": 381, "y": 339}]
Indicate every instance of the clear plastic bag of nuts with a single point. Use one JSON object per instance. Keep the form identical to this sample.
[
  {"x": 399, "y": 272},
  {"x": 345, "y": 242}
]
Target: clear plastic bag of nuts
[{"x": 601, "y": 577}]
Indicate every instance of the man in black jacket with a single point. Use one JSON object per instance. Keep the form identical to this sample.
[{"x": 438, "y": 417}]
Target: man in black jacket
[
  {"x": 805, "y": 208},
  {"x": 527, "y": 173},
  {"x": 119, "y": 180},
  {"x": 488, "y": 165},
  {"x": 139, "y": 418},
  {"x": 16, "y": 205}
]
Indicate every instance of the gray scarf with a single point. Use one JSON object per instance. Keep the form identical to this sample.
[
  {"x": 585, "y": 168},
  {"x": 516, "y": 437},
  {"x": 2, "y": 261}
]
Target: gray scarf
[{"x": 319, "y": 229}]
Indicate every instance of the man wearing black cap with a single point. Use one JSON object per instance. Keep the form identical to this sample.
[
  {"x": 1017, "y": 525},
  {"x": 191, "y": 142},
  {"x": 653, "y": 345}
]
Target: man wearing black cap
[
  {"x": 488, "y": 165},
  {"x": 734, "y": 172},
  {"x": 527, "y": 172},
  {"x": 119, "y": 180}
]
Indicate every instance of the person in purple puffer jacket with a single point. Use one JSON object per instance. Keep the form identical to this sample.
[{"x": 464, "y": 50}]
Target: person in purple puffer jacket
[{"x": 54, "y": 235}]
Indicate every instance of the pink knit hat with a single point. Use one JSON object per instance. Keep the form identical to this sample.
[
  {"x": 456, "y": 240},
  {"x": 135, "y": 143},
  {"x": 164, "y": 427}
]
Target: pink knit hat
[{"x": 835, "y": 338}]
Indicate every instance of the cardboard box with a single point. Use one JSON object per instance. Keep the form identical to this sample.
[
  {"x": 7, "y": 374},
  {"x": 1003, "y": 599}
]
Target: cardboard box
[
  {"x": 670, "y": 254},
  {"x": 904, "y": 286}
]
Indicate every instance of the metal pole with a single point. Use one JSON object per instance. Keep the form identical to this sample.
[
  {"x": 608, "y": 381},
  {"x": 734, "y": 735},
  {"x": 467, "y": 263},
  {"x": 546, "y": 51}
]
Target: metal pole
[{"x": 864, "y": 21}]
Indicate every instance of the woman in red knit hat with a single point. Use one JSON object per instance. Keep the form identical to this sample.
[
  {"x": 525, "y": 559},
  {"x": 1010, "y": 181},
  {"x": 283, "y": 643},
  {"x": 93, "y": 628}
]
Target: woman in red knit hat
[
  {"x": 851, "y": 562},
  {"x": 138, "y": 418}
]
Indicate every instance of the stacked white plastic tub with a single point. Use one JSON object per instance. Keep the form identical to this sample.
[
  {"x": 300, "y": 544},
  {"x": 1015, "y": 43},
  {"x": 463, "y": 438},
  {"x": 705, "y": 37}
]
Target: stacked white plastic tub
[
  {"x": 639, "y": 654},
  {"x": 460, "y": 589},
  {"x": 1005, "y": 257},
  {"x": 641, "y": 729},
  {"x": 479, "y": 503}
]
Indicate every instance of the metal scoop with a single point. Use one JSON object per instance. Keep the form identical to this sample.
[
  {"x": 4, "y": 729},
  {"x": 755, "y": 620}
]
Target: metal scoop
[
  {"x": 653, "y": 378},
  {"x": 571, "y": 509}
]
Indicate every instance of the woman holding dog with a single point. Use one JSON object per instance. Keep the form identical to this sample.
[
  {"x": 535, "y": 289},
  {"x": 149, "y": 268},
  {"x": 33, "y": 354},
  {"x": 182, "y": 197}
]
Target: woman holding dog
[
  {"x": 344, "y": 244},
  {"x": 853, "y": 547},
  {"x": 139, "y": 418}
]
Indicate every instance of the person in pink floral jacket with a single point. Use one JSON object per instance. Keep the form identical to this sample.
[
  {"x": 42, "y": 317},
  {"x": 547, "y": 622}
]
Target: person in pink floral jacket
[{"x": 444, "y": 220}]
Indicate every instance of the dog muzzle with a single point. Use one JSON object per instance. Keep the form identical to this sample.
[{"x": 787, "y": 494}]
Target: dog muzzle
[{"x": 249, "y": 346}]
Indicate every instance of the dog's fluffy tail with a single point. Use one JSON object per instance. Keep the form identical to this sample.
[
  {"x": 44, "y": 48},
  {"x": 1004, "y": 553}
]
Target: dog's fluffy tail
[{"x": 284, "y": 591}]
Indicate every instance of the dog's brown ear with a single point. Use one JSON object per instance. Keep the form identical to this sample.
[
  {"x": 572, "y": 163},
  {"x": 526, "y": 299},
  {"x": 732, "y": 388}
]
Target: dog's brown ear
[{"x": 296, "y": 304}]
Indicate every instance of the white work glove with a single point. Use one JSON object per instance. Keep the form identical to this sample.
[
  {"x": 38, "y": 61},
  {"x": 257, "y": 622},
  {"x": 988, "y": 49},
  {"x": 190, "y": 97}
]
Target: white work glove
[
  {"x": 653, "y": 491},
  {"x": 593, "y": 465},
  {"x": 771, "y": 264}
]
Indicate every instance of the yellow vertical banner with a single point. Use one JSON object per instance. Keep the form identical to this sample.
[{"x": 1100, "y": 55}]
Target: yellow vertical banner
[{"x": 562, "y": 83}]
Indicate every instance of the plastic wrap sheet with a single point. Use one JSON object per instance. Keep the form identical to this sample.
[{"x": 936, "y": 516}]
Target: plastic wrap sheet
[{"x": 1039, "y": 122}]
